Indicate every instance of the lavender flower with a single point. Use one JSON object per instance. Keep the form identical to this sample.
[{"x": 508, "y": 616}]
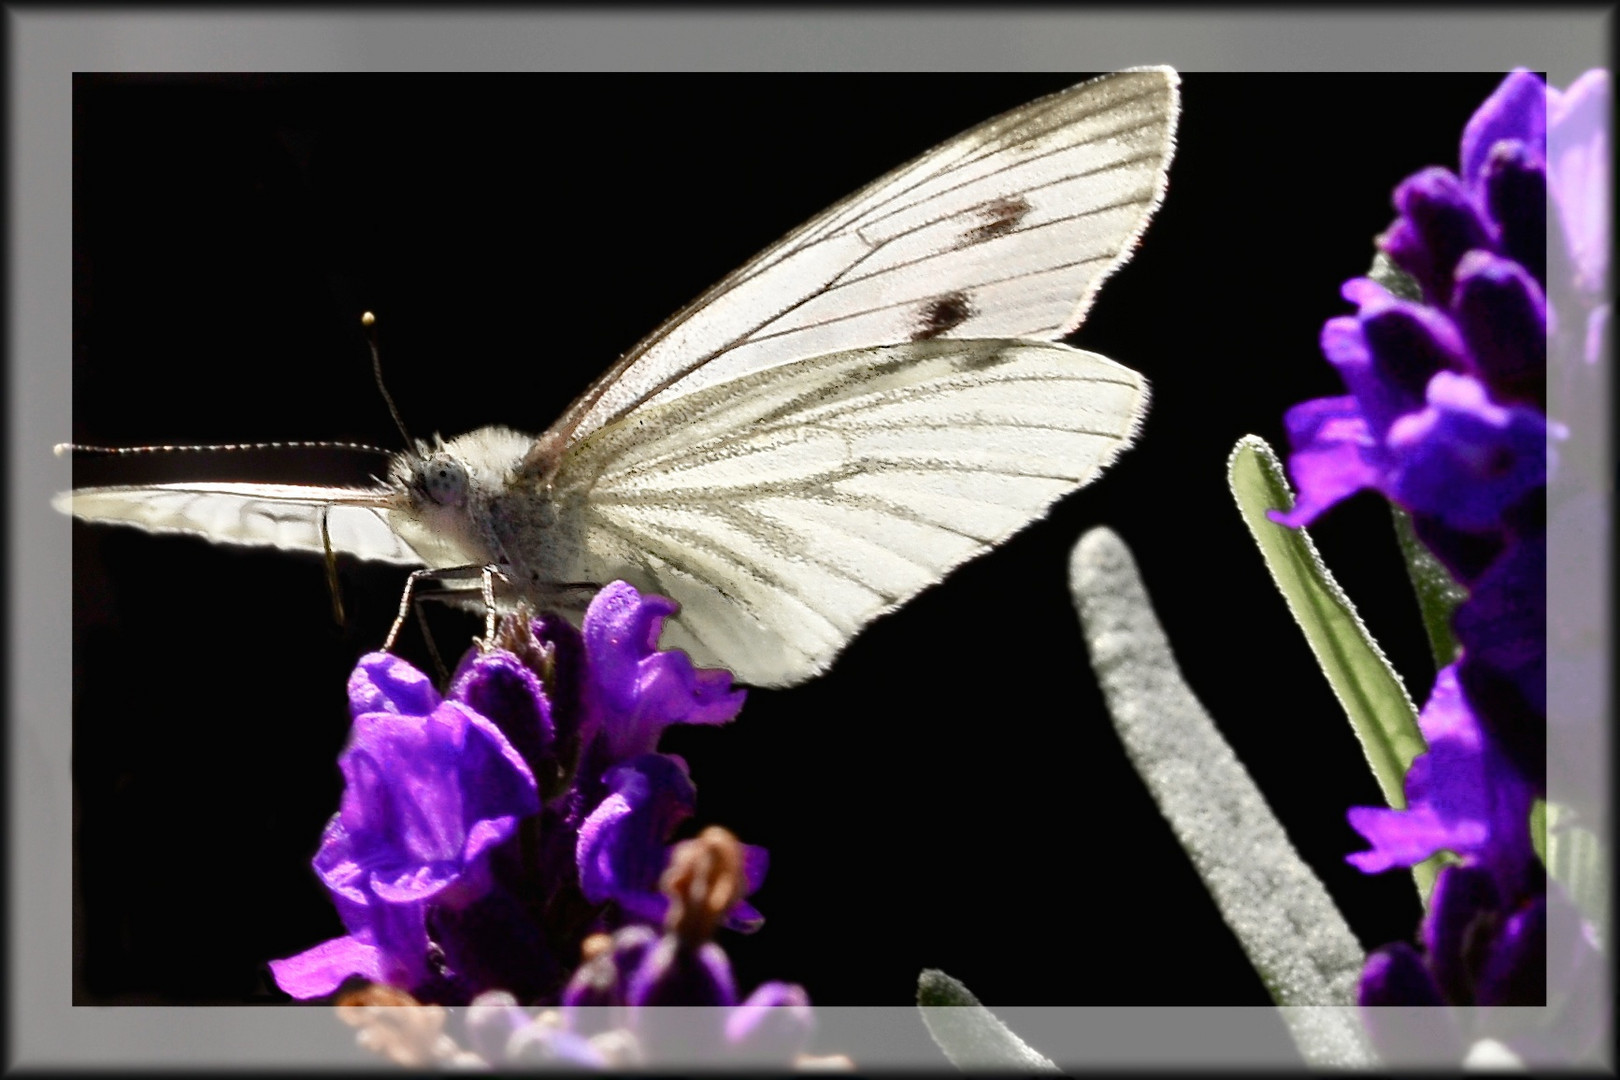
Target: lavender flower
[
  {"x": 622, "y": 851},
  {"x": 431, "y": 788},
  {"x": 484, "y": 835},
  {"x": 1446, "y": 413},
  {"x": 612, "y": 1013},
  {"x": 1446, "y": 417},
  {"x": 630, "y": 975},
  {"x": 1456, "y": 801}
]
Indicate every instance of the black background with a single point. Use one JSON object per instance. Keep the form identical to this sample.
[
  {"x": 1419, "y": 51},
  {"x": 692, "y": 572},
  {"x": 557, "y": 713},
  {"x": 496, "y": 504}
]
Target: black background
[{"x": 951, "y": 794}]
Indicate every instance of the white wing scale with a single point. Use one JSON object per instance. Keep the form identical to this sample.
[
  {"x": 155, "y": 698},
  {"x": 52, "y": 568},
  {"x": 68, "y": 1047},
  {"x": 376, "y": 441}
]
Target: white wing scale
[
  {"x": 285, "y": 516},
  {"x": 787, "y": 509},
  {"x": 1016, "y": 222}
]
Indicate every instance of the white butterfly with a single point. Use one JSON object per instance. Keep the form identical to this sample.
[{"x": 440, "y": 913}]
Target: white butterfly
[{"x": 873, "y": 400}]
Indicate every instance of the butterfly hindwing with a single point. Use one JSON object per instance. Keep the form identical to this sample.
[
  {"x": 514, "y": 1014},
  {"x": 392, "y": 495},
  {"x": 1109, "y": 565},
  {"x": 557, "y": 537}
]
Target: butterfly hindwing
[{"x": 787, "y": 509}]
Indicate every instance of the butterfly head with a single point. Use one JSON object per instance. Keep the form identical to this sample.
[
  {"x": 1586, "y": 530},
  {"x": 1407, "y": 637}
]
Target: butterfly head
[{"x": 442, "y": 479}]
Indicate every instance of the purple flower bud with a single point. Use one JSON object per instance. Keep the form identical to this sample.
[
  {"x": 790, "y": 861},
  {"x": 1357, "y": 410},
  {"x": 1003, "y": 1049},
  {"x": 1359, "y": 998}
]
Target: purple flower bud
[
  {"x": 595, "y": 997},
  {"x": 1515, "y": 971},
  {"x": 1457, "y": 934},
  {"x": 1516, "y": 111},
  {"x": 1515, "y": 187},
  {"x": 1404, "y": 1013},
  {"x": 1440, "y": 222},
  {"x": 676, "y": 973},
  {"x": 500, "y": 686},
  {"x": 1394, "y": 975},
  {"x": 1409, "y": 344},
  {"x": 1503, "y": 317},
  {"x": 492, "y": 1018},
  {"x": 1503, "y": 631},
  {"x": 773, "y": 1026},
  {"x": 541, "y": 1044}
]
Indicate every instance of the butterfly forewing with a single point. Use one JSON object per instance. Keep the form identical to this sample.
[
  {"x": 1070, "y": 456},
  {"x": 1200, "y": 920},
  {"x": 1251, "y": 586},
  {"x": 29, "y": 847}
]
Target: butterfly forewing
[
  {"x": 285, "y": 516},
  {"x": 1005, "y": 231}
]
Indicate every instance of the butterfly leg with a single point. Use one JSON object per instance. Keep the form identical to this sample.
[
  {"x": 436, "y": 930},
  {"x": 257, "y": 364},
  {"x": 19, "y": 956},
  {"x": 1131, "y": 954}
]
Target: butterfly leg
[
  {"x": 407, "y": 599},
  {"x": 331, "y": 571},
  {"x": 411, "y": 600},
  {"x": 491, "y": 572}
]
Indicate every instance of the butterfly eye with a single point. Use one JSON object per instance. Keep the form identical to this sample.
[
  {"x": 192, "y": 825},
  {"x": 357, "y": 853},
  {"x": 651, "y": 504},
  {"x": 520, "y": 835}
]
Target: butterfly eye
[{"x": 444, "y": 479}]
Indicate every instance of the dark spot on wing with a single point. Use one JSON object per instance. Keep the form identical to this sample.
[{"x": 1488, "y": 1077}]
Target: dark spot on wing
[
  {"x": 941, "y": 315},
  {"x": 996, "y": 218},
  {"x": 977, "y": 359}
]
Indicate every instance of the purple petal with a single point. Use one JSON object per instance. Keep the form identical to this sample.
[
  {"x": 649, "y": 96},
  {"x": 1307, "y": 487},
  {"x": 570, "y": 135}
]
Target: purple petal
[
  {"x": 1402, "y": 838},
  {"x": 1464, "y": 459},
  {"x": 1461, "y": 796},
  {"x": 317, "y": 972},
  {"x": 621, "y": 629},
  {"x": 623, "y": 845},
  {"x": 382, "y": 682},
  {"x": 1517, "y": 110},
  {"x": 774, "y": 1025},
  {"x": 636, "y": 691},
  {"x": 1331, "y": 456},
  {"x": 416, "y": 788}
]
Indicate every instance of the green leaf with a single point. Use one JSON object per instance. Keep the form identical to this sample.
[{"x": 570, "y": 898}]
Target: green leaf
[
  {"x": 1371, "y": 694},
  {"x": 1437, "y": 594},
  {"x": 1282, "y": 915},
  {"x": 968, "y": 1033},
  {"x": 1400, "y": 284}
]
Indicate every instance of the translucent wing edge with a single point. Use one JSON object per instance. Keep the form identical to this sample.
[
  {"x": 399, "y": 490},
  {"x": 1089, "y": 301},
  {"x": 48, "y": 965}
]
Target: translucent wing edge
[{"x": 246, "y": 515}]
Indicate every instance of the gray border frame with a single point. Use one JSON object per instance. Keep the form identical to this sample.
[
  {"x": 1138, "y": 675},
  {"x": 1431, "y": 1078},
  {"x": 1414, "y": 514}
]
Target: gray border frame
[{"x": 47, "y": 44}]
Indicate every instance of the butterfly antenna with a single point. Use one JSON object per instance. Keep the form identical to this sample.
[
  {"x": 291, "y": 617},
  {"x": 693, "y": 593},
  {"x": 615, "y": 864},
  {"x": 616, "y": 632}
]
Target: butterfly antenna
[
  {"x": 369, "y": 321},
  {"x": 62, "y": 449}
]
